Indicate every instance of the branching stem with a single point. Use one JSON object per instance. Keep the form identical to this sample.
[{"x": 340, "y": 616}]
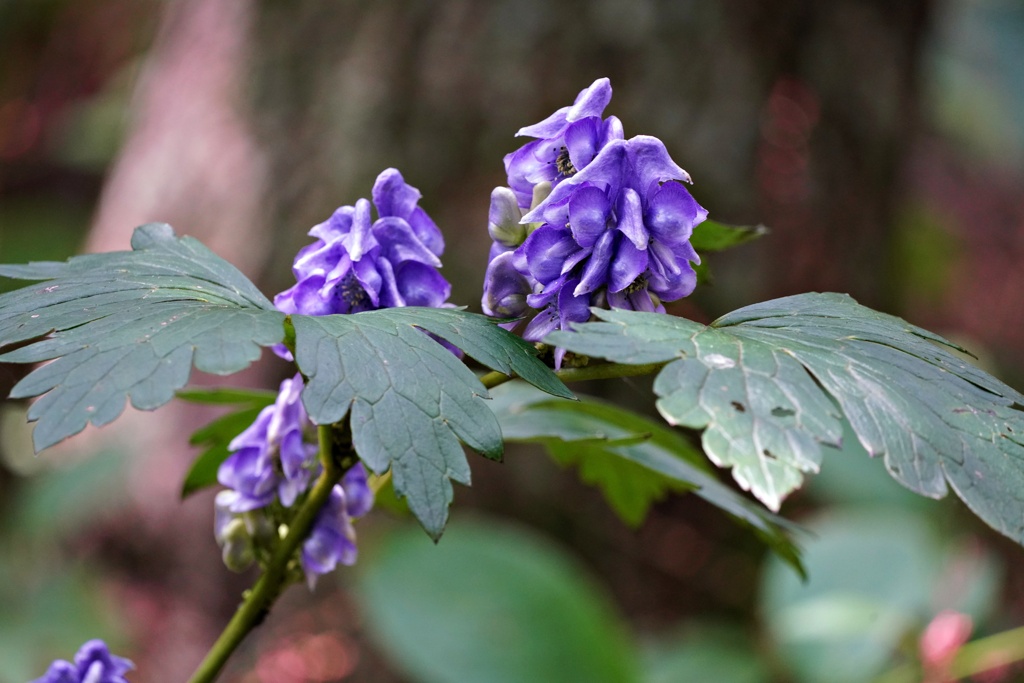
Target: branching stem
[
  {"x": 257, "y": 602},
  {"x": 601, "y": 371},
  {"x": 337, "y": 456}
]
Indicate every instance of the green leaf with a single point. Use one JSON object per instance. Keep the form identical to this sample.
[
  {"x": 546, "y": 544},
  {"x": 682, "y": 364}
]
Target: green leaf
[
  {"x": 410, "y": 400},
  {"x": 227, "y": 396},
  {"x": 715, "y": 236},
  {"x": 768, "y": 384},
  {"x": 492, "y": 604},
  {"x": 128, "y": 325},
  {"x": 635, "y": 461},
  {"x": 215, "y": 438}
]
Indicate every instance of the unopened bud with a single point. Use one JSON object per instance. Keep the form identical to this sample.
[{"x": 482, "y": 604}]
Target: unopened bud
[
  {"x": 503, "y": 219},
  {"x": 237, "y": 550}
]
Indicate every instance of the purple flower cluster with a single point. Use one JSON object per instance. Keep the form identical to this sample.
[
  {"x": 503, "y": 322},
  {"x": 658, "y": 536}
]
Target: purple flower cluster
[
  {"x": 360, "y": 264},
  {"x": 589, "y": 219},
  {"x": 93, "y": 664},
  {"x": 272, "y": 463},
  {"x": 356, "y": 264}
]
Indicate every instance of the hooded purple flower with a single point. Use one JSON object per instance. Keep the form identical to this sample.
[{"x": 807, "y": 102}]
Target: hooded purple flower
[
  {"x": 333, "y": 539},
  {"x": 566, "y": 142},
  {"x": 272, "y": 458},
  {"x": 275, "y": 459},
  {"x": 621, "y": 225},
  {"x": 93, "y": 664},
  {"x": 360, "y": 264},
  {"x": 611, "y": 226}
]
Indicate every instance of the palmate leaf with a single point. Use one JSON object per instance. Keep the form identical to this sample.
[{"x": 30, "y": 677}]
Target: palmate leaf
[
  {"x": 768, "y": 384},
  {"x": 633, "y": 460},
  {"x": 409, "y": 399},
  {"x": 128, "y": 325}
]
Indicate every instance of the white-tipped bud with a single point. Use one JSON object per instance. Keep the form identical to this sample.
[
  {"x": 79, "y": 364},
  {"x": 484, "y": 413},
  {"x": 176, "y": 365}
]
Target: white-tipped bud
[
  {"x": 237, "y": 550},
  {"x": 503, "y": 219},
  {"x": 540, "y": 193}
]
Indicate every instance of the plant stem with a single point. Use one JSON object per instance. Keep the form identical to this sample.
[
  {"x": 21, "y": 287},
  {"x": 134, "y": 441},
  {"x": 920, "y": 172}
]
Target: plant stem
[
  {"x": 256, "y": 603},
  {"x": 973, "y": 658},
  {"x": 602, "y": 371}
]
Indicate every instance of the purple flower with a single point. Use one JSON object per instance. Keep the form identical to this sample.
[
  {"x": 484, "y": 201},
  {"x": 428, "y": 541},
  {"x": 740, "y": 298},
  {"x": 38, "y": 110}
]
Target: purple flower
[
  {"x": 611, "y": 225},
  {"x": 567, "y": 141},
  {"x": 93, "y": 664},
  {"x": 360, "y": 264},
  {"x": 273, "y": 457},
  {"x": 622, "y": 224},
  {"x": 275, "y": 460}
]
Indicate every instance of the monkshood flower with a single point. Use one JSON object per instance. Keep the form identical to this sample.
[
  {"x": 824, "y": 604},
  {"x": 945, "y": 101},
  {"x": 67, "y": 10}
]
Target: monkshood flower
[
  {"x": 621, "y": 227},
  {"x": 333, "y": 539},
  {"x": 361, "y": 264},
  {"x": 608, "y": 224},
  {"x": 274, "y": 461},
  {"x": 275, "y": 457},
  {"x": 566, "y": 142},
  {"x": 93, "y": 664}
]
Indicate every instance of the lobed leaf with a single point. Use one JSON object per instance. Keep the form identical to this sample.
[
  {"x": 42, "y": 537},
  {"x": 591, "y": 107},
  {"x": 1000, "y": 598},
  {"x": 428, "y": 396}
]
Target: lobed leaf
[
  {"x": 409, "y": 399},
  {"x": 768, "y": 384},
  {"x": 128, "y": 325},
  {"x": 633, "y": 460}
]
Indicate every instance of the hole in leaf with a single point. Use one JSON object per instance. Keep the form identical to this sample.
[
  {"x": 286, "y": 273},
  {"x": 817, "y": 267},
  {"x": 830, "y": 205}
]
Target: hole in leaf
[
  {"x": 783, "y": 412},
  {"x": 739, "y": 406}
]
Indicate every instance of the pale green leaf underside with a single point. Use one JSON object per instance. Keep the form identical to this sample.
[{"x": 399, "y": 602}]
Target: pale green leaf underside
[
  {"x": 626, "y": 455},
  {"x": 410, "y": 399},
  {"x": 767, "y": 384},
  {"x": 128, "y": 325}
]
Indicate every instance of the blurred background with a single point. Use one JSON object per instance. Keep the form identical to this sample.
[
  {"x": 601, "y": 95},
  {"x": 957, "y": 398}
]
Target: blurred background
[{"x": 882, "y": 143}]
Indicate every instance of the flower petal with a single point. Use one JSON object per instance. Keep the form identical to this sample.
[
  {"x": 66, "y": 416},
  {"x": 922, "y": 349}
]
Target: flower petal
[
  {"x": 398, "y": 243},
  {"x": 582, "y": 139},
  {"x": 546, "y": 249},
  {"x": 606, "y": 171},
  {"x": 392, "y": 195},
  {"x": 421, "y": 285},
  {"x": 591, "y": 101},
  {"x": 360, "y": 240},
  {"x": 549, "y": 127},
  {"x": 588, "y": 215},
  {"x": 627, "y": 265},
  {"x": 595, "y": 273},
  {"x": 672, "y": 213},
  {"x": 651, "y": 163},
  {"x": 631, "y": 218}
]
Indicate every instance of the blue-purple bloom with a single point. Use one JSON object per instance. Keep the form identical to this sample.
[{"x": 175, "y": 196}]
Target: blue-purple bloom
[
  {"x": 93, "y": 664},
  {"x": 361, "y": 264},
  {"x": 566, "y": 141},
  {"x": 609, "y": 227},
  {"x": 275, "y": 457},
  {"x": 357, "y": 263},
  {"x": 274, "y": 460}
]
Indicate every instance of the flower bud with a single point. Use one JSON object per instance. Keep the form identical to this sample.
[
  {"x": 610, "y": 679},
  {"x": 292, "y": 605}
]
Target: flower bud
[
  {"x": 237, "y": 550},
  {"x": 503, "y": 219}
]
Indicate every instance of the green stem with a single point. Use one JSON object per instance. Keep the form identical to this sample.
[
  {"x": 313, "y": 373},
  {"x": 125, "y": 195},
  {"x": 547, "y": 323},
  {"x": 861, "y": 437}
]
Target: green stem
[
  {"x": 256, "y": 603},
  {"x": 601, "y": 371},
  {"x": 973, "y": 658}
]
